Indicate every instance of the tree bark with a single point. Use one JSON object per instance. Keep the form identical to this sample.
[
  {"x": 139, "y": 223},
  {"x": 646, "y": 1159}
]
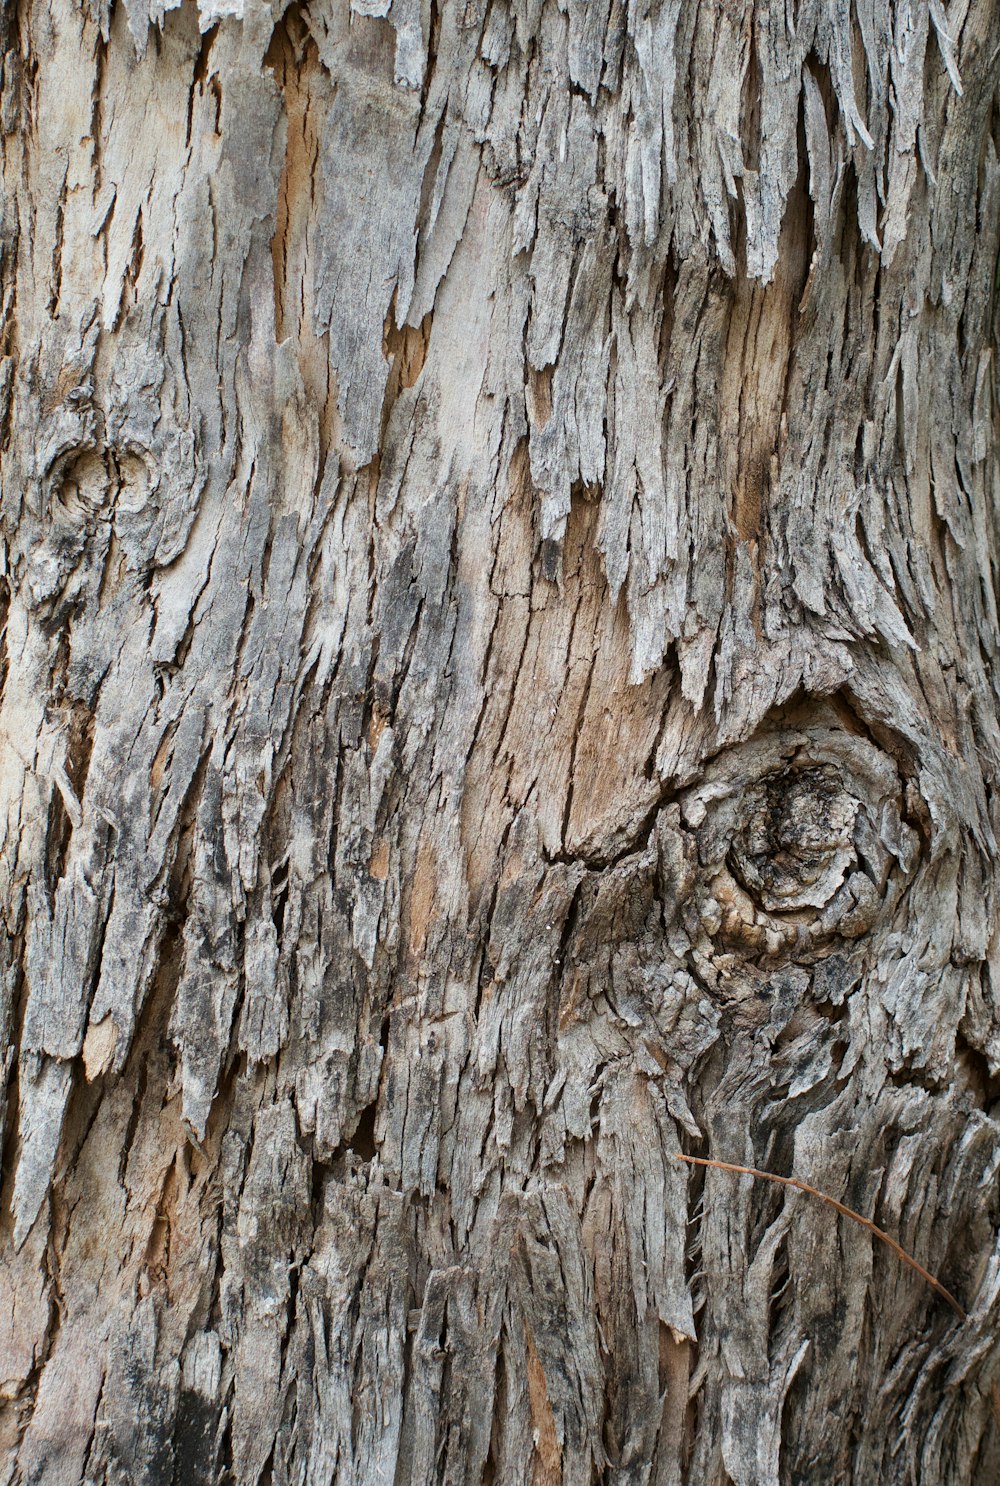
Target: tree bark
[{"x": 500, "y": 688}]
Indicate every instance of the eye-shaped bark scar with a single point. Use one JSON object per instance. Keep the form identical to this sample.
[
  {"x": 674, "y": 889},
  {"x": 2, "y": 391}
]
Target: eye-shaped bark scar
[
  {"x": 801, "y": 842},
  {"x": 97, "y": 494}
]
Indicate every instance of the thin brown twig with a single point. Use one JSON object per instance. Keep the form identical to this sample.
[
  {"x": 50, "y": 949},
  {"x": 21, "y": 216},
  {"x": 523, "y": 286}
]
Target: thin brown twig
[{"x": 848, "y": 1212}]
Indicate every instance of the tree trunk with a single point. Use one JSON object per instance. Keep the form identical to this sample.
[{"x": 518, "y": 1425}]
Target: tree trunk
[{"x": 501, "y": 686}]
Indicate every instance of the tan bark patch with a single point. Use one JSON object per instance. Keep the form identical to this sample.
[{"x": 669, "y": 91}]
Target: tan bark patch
[
  {"x": 423, "y": 900},
  {"x": 378, "y": 867},
  {"x": 547, "y": 1460}
]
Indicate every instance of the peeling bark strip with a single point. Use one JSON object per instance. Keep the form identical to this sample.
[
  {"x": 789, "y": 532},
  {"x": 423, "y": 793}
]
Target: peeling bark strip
[{"x": 499, "y": 684}]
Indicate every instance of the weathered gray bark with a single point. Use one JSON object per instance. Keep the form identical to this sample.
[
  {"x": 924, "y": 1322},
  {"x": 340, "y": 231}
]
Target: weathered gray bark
[{"x": 500, "y": 686}]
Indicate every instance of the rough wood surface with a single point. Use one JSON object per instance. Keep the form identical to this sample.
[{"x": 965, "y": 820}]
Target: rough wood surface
[{"x": 499, "y": 684}]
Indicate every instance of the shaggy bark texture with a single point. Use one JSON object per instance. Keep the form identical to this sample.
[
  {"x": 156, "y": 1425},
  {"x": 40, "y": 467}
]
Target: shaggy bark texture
[{"x": 500, "y": 686}]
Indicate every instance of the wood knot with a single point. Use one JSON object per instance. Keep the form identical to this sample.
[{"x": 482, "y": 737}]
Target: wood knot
[
  {"x": 91, "y": 480},
  {"x": 796, "y": 843},
  {"x": 801, "y": 843}
]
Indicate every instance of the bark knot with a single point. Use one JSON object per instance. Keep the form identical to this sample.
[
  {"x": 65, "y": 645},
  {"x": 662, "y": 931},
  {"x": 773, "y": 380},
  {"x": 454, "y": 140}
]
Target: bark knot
[{"x": 801, "y": 843}]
